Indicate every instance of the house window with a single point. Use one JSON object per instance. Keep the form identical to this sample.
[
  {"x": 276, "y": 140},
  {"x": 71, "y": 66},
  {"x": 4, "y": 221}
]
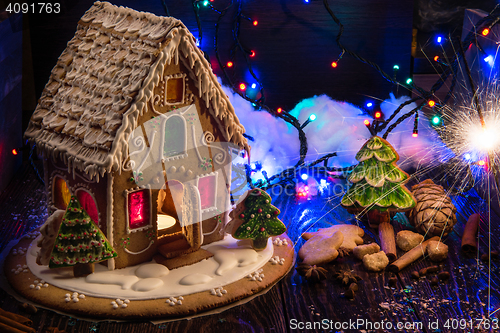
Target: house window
[
  {"x": 89, "y": 204},
  {"x": 139, "y": 209},
  {"x": 207, "y": 186},
  {"x": 175, "y": 89},
  {"x": 60, "y": 193},
  {"x": 174, "y": 137}
]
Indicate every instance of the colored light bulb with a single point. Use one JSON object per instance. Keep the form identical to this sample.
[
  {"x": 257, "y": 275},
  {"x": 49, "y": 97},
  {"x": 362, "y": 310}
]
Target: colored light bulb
[
  {"x": 431, "y": 103},
  {"x": 435, "y": 120},
  {"x": 254, "y": 85},
  {"x": 312, "y": 117},
  {"x": 409, "y": 81},
  {"x": 414, "y": 134},
  {"x": 490, "y": 60},
  {"x": 229, "y": 64},
  {"x": 334, "y": 64},
  {"x": 395, "y": 67},
  {"x": 436, "y": 58},
  {"x": 243, "y": 86},
  {"x": 366, "y": 122},
  {"x": 304, "y": 176},
  {"x": 252, "y": 53},
  {"x": 439, "y": 39},
  {"x": 378, "y": 115},
  {"x": 255, "y": 22},
  {"x": 485, "y": 31},
  {"x": 280, "y": 110},
  {"x": 14, "y": 151},
  {"x": 369, "y": 104}
]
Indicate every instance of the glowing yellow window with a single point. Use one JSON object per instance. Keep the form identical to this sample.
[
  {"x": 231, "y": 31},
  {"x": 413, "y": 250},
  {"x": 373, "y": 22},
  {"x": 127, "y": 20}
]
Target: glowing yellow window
[{"x": 60, "y": 193}]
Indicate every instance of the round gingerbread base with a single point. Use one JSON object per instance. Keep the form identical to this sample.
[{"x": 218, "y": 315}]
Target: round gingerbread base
[{"x": 22, "y": 280}]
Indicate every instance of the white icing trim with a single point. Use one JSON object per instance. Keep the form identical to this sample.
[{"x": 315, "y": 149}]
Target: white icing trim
[
  {"x": 109, "y": 219},
  {"x": 171, "y": 286},
  {"x": 206, "y": 140},
  {"x": 170, "y": 38},
  {"x": 83, "y": 176},
  {"x": 164, "y": 118},
  {"x": 191, "y": 208},
  {"x": 165, "y": 82},
  {"x": 141, "y": 251},
  {"x": 126, "y": 193},
  {"x": 211, "y": 174}
]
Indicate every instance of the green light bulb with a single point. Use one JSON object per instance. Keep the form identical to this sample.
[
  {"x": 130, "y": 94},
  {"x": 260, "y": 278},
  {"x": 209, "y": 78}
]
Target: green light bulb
[
  {"x": 395, "y": 67},
  {"x": 409, "y": 81},
  {"x": 436, "y": 120}
]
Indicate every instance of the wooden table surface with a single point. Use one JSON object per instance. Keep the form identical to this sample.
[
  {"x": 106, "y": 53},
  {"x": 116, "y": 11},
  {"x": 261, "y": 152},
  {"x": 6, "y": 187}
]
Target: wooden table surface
[{"x": 294, "y": 301}]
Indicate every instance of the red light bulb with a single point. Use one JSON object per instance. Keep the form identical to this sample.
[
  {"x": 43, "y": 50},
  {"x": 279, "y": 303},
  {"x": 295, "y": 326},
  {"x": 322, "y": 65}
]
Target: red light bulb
[
  {"x": 334, "y": 64},
  {"x": 243, "y": 86},
  {"x": 485, "y": 31},
  {"x": 366, "y": 122},
  {"x": 432, "y": 103},
  {"x": 229, "y": 64},
  {"x": 436, "y": 58},
  {"x": 255, "y": 23},
  {"x": 280, "y": 110},
  {"x": 414, "y": 135},
  {"x": 14, "y": 151},
  {"x": 378, "y": 114},
  {"x": 252, "y": 53}
]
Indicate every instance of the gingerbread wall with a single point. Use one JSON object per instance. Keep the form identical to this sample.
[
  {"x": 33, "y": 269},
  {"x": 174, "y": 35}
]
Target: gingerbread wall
[{"x": 137, "y": 246}]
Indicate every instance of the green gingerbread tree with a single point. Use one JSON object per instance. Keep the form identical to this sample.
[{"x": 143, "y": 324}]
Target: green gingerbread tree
[
  {"x": 79, "y": 243},
  {"x": 377, "y": 183},
  {"x": 259, "y": 219}
]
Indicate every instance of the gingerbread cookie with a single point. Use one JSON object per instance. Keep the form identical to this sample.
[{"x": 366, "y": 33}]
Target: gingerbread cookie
[
  {"x": 361, "y": 250},
  {"x": 260, "y": 219},
  {"x": 352, "y": 234},
  {"x": 321, "y": 249}
]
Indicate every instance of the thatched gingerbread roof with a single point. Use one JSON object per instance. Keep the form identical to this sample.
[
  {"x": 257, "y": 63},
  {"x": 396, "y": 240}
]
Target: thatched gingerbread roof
[{"x": 104, "y": 79}]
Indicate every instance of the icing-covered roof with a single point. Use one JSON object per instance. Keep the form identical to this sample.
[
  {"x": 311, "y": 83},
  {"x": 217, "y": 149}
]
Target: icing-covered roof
[{"x": 105, "y": 77}]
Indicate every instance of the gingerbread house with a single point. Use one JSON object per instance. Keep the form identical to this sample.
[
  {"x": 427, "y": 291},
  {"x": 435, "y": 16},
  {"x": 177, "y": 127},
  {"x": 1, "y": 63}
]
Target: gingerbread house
[{"x": 134, "y": 123}]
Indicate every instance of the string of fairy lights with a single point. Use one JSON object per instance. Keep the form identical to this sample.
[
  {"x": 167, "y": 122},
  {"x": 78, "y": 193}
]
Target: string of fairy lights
[
  {"x": 255, "y": 93},
  {"x": 319, "y": 167}
]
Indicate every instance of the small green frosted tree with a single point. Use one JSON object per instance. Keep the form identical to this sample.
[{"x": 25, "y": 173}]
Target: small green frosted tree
[
  {"x": 79, "y": 243},
  {"x": 260, "y": 219},
  {"x": 377, "y": 183}
]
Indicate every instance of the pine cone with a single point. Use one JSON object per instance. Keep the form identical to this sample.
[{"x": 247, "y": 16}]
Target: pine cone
[
  {"x": 312, "y": 273},
  {"x": 434, "y": 211}
]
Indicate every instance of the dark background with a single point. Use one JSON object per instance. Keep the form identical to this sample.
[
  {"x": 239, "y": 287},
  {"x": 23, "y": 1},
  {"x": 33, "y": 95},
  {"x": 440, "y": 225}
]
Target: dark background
[{"x": 294, "y": 44}]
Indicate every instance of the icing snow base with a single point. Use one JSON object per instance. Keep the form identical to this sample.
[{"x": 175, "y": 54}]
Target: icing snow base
[{"x": 232, "y": 261}]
